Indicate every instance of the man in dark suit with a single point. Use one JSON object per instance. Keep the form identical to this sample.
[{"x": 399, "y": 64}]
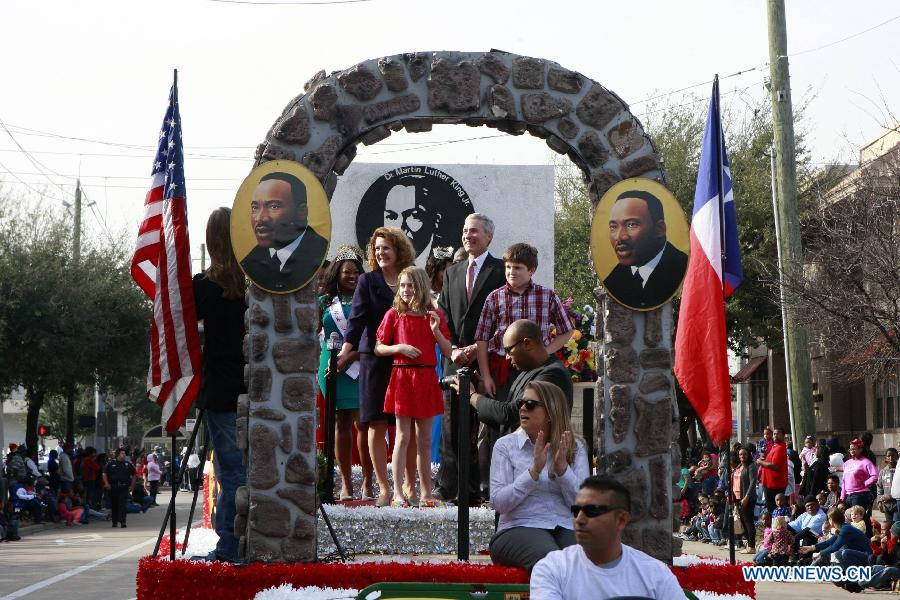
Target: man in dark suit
[
  {"x": 650, "y": 269},
  {"x": 288, "y": 252},
  {"x": 466, "y": 287}
]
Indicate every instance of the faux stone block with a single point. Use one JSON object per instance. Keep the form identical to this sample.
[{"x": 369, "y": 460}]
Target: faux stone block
[
  {"x": 621, "y": 364},
  {"x": 652, "y": 426},
  {"x": 348, "y": 119},
  {"x": 320, "y": 161},
  {"x": 304, "y": 527},
  {"x": 294, "y": 550},
  {"x": 240, "y": 524},
  {"x": 636, "y": 482},
  {"x": 393, "y": 73},
  {"x": 598, "y": 107},
  {"x": 242, "y": 500},
  {"x": 281, "y": 307},
  {"x": 659, "y": 487},
  {"x": 386, "y": 109},
  {"x": 658, "y": 543},
  {"x": 259, "y": 343},
  {"x": 602, "y": 180},
  {"x": 293, "y": 129},
  {"x": 592, "y": 150},
  {"x": 269, "y": 516},
  {"x": 261, "y": 549},
  {"x": 656, "y": 358},
  {"x": 619, "y": 324},
  {"x": 267, "y": 414},
  {"x": 625, "y": 138},
  {"x": 614, "y": 462},
  {"x": 324, "y": 102},
  {"x": 258, "y": 293},
  {"x": 417, "y": 63},
  {"x": 375, "y": 135},
  {"x": 619, "y": 411},
  {"x": 360, "y": 83},
  {"x": 638, "y": 166},
  {"x": 258, "y": 316},
  {"x": 243, "y": 405},
  {"x": 501, "y": 102},
  {"x": 567, "y": 128},
  {"x": 563, "y": 80},
  {"x": 528, "y": 73},
  {"x": 454, "y": 88},
  {"x": 315, "y": 80},
  {"x": 541, "y": 106},
  {"x": 260, "y": 384},
  {"x": 303, "y": 497},
  {"x": 654, "y": 381},
  {"x": 263, "y": 472},
  {"x": 299, "y": 393},
  {"x": 296, "y": 354},
  {"x": 306, "y": 433},
  {"x": 298, "y": 470},
  {"x": 557, "y": 144},
  {"x": 240, "y": 432},
  {"x": 287, "y": 438},
  {"x": 492, "y": 66},
  {"x": 653, "y": 327}
]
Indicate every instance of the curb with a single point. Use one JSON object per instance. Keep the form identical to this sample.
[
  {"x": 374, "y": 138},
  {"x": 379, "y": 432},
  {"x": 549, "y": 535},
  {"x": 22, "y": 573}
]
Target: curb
[{"x": 30, "y": 529}]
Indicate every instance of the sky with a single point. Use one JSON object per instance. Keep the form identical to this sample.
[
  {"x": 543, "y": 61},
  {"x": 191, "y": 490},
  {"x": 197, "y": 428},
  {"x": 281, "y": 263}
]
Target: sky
[{"x": 101, "y": 71}]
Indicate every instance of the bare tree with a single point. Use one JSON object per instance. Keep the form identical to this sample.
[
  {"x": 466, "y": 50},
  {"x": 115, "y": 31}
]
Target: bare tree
[{"x": 849, "y": 293}]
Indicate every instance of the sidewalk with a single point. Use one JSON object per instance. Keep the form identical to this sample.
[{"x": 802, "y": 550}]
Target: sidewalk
[{"x": 779, "y": 591}]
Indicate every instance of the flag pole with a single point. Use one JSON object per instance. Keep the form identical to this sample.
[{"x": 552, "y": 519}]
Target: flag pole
[{"x": 720, "y": 189}]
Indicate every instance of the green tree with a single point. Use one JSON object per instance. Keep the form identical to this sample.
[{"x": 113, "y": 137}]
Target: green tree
[
  {"x": 62, "y": 324},
  {"x": 572, "y": 273}
]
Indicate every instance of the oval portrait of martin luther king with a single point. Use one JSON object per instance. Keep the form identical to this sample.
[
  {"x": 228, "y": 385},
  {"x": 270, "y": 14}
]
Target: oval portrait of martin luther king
[
  {"x": 280, "y": 226},
  {"x": 640, "y": 243},
  {"x": 429, "y": 206}
]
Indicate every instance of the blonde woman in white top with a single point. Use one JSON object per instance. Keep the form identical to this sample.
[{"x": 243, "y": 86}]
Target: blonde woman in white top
[{"x": 535, "y": 475}]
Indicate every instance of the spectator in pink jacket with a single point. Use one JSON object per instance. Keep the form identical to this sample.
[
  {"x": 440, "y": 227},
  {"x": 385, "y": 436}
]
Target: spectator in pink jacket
[{"x": 859, "y": 475}]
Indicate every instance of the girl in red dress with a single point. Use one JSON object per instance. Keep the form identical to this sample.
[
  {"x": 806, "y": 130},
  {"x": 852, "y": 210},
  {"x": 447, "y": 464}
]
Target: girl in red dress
[{"x": 408, "y": 332}]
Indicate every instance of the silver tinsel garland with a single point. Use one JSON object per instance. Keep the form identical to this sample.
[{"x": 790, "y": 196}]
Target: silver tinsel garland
[{"x": 368, "y": 529}]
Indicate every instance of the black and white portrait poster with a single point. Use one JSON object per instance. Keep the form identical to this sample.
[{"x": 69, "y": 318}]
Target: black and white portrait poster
[
  {"x": 426, "y": 203},
  {"x": 430, "y": 204}
]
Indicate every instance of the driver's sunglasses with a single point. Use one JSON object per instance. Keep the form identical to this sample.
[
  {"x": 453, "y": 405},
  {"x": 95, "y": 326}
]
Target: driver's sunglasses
[
  {"x": 593, "y": 510},
  {"x": 529, "y": 405}
]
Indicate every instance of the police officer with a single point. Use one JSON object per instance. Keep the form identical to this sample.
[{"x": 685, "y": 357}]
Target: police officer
[{"x": 118, "y": 478}]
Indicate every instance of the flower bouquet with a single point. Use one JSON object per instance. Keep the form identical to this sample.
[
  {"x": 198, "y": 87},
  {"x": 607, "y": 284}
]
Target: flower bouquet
[{"x": 577, "y": 354}]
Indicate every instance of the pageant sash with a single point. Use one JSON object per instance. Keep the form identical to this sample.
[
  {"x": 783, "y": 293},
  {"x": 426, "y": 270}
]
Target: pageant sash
[{"x": 337, "y": 315}]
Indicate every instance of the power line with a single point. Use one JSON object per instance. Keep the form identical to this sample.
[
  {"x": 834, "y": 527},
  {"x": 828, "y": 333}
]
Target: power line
[
  {"x": 37, "y": 164},
  {"x": 844, "y": 39}
]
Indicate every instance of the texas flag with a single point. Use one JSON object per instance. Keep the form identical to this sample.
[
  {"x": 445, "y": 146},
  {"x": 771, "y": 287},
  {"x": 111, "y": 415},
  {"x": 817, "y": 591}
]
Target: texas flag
[{"x": 701, "y": 359}]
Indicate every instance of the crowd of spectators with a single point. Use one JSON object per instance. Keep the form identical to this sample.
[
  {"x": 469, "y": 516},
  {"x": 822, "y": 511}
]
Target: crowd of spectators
[
  {"x": 73, "y": 488},
  {"x": 812, "y": 507}
]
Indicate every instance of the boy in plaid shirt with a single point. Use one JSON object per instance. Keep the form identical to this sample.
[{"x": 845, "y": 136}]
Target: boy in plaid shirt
[{"x": 520, "y": 298}]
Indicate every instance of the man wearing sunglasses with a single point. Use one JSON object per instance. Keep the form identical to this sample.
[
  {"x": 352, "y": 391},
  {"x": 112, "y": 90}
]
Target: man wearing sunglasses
[
  {"x": 524, "y": 348},
  {"x": 600, "y": 565}
]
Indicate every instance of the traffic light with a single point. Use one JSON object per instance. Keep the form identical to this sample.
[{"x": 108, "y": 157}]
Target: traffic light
[{"x": 43, "y": 430}]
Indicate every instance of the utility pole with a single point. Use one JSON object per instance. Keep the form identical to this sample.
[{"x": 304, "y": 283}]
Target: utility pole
[
  {"x": 790, "y": 250},
  {"x": 202, "y": 257},
  {"x": 76, "y": 254}
]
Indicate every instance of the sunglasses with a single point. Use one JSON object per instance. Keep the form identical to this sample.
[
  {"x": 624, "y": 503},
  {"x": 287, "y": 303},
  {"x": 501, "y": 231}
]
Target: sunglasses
[
  {"x": 593, "y": 510},
  {"x": 528, "y": 404},
  {"x": 508, "y": 349}
]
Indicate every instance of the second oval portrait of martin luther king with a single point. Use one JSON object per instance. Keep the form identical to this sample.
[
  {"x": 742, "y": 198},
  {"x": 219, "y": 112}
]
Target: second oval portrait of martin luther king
[
  {"x": 426, "y": 203},
  {"x": 640, "y": 243},
  {"x": 280, "y": 226}
]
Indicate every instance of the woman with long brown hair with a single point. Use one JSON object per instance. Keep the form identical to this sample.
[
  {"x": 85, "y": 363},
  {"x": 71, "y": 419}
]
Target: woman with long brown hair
[
  {"x": 389, "y": 251},
  {"x": 219, "y": 297},
  {"x": 535, "y": 474}
]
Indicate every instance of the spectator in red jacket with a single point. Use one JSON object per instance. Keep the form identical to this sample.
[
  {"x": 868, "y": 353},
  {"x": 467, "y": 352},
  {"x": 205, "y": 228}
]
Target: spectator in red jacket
[
  {"x": 90, "y": 474},
  {"x": 773, "y": 469}
]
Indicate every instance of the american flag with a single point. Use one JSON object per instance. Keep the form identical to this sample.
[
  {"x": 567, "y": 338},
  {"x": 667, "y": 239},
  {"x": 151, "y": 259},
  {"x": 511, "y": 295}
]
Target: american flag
[{"x": 161, "y": 266}]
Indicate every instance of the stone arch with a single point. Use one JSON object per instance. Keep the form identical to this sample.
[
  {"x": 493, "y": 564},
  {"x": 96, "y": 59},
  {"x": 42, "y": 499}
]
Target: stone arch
[
  {"x": 575, "y": 115},
  {"x": 321, "y": 129}
]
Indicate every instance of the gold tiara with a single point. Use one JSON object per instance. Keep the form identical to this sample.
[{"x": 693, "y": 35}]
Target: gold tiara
[{"x": 348, "y": 252}]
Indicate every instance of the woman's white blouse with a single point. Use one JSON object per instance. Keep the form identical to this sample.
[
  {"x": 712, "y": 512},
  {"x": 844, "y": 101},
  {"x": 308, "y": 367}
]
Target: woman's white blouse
[{"x": 523, "y": 502}]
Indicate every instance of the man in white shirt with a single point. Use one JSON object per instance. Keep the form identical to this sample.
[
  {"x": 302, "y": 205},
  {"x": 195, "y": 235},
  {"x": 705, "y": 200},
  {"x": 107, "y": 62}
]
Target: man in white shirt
[{"x": 600, "y": 565}]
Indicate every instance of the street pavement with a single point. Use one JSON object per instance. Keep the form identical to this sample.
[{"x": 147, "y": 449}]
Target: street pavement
[
  {"x": 784, "y": 590},
  {"x": 84, "y": 562}
]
